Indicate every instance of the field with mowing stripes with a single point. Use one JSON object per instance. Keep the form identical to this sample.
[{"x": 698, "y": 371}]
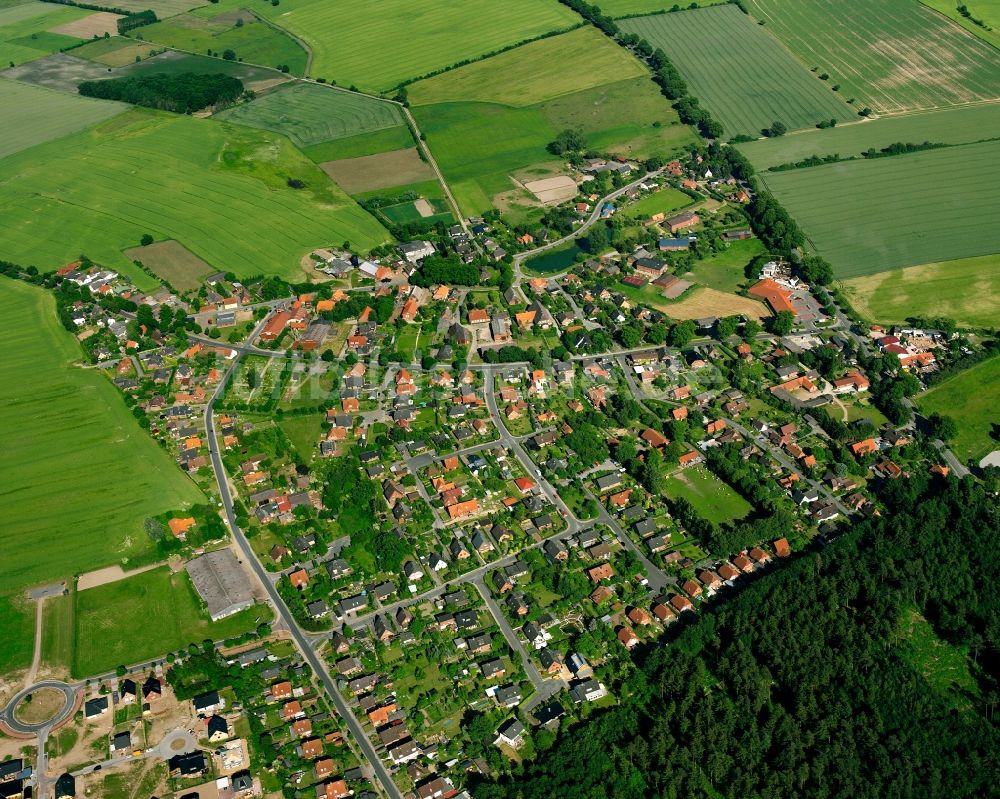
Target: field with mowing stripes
[
  {"x": 309, "y": 114},
  {"x": 871, "y": 216},
  {"x": 737, "y": 72},
  {"x": 24, "y": 31},
  {"x": 892, "y": 55},
  {"x": 33, "y": 115},
  {"x": 943, "y": 126},
  {"x": 218, "y": 189},
  {"x": 78, "y": 475}
]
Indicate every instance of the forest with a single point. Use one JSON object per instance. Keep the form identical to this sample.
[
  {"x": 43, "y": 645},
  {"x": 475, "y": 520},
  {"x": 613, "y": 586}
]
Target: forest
[
  {"x": 184, "y": 93},
  {"x": 810, "y": 681}
]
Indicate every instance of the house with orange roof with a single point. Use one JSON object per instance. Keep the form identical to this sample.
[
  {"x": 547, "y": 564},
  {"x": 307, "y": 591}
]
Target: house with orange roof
[
  {"x": 299, "y": 579},
  {"x": 653, "y": 438},
  {"x": 325, "y": 305},
  {"x": 460, "y": 509},
  {"x": 477, "y": 316},
  {"x": 524, "y": 484},
  {"x": 688, "y": 458},
  {"x": 409, "y": 312},
  {"x": 180, "y": 527},
  {"x": 781, "y": 548},
  {"x": 851, "y": 384},
  {"x": 441, "y": 293},
  {"x": 627, "y": 637},
  {"x": 254, "y": 478},
  {"x": 602, "y": 572},
  {"x": 350, "y": 405},
  {"x": 775, "y": 296},
  {"x": 679, "y": 413},
  {"x": 620, "y": 500},
  {"x": 866, "y": 447}
]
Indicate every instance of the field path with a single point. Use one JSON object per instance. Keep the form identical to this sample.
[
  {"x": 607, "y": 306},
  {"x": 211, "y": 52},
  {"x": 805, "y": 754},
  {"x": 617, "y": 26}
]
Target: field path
[
  {"x": 29, "y": 678},
  {"x": 437, "y": 170}
]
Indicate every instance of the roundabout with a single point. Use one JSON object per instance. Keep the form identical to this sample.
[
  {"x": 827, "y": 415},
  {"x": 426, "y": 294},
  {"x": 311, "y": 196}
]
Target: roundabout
[{"x": 39, "y": 707}]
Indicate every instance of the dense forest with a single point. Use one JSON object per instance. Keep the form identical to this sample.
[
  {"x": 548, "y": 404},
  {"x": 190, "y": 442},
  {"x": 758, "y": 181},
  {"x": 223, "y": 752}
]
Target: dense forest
[
  {"x": 867, "y": 668},
  {"x": 183, "y": 93}
]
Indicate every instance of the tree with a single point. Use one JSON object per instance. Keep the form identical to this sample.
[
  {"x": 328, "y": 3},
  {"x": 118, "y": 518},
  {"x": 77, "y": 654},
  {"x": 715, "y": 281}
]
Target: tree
[
  {"x": 598, "y": 239},
  {"x": 782, "y": 323},
  {"x": 229, "y": 55},
  {"x": 778, "y": 128},
  {"x": 816, "y": 270},
  {"x": 943, "y": 427},
  {"x": 568, "y": 141},
  {"x": 146, "y": 239},
  {"x": 727, "y": 326},
  {"x": 751, "y": 329},
  {"x": 682, "y": 333}
]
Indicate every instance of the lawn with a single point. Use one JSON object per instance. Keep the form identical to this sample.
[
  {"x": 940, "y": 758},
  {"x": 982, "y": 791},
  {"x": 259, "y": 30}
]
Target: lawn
[
  {"x": 113, "y": 621},
  {"x": 970, "y": 398},
  {"x": 379, "y": 45},
  {"x": 711, "y": 498},
  {"x": 79, "y": 476},
  {"x": 309, "y": 114},
  {"x": 723, "y": 271},
  {"x": 892, "y": 55},
  {"x": 33, "y": 114},
  {"x": 304, "y": 432},
  {"x": 219, "y": 190},
  {"x": 873, "y": 216},
  {"x": 737, "y": 72},
  {"x": 658, "y": 202},
  {"x": 966, "y": 290},
  {"x": 24, "y": 30},
  {"x": 943, "y": 126}
]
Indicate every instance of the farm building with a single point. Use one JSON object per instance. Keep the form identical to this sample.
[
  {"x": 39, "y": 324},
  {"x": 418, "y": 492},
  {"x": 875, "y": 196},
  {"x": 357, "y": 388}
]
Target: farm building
[{"x": 221, "y": 583}]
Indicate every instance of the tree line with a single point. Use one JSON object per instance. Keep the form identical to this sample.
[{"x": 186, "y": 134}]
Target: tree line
[{"x": 183, "y": 93}]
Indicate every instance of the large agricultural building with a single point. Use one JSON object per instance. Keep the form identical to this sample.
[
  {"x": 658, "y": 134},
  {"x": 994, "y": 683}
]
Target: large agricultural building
[{"x": 221, "y": 583}]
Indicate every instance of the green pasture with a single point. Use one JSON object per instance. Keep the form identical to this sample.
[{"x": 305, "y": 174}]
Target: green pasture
[
  {"x": 942, "y": 126},
  {"x": 163, "y": 8},
  {"x": 966, "y": 290},
  {"x": 145, "y": 616},
  {"x": 622, "y": 8},
  {"x": 711, "y": 498},
  {"x": 309, "y": 114},
  {"x": 219, "y": 190},
  {"x": 891, "y": 55},
  {"x": 986, "y": 10},
  {"x": 17, "y": 619},
  {"x": 24, "y": 30},
  {"x": 970, "y": 398},
  {"x": 873, "y": 216},
  {"x": 737, "y": 72},
  {"x": 79, "y": 476},
  {"x": 723, "y": 271},
  {"x": 33, "y": 114},
  {"x": 658, "y": 202},
  {"x": 118, "y": 51},
  {"x": 384, "y": 140},
  {"x": 305, "y": 433}
]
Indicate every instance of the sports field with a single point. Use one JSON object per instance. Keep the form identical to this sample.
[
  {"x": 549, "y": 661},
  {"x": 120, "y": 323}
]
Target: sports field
[
  {"x": 144, "y": 616},
  {"x": 737, "y": 72},
  {"x": 986, "y": 10},
  {"x": 33, "y": 115},
  {"x": 24, "y": 31},
  {"x": 892, "y": 55},
  {"x": 872, "y": 216},
  {"x": 711, "y": 498},
  {"x": 377, "y": 45},
  {"x": 78, "y": 475},
  {"x": 220, "y": 190},
  {"x": 970, "y": 398},
  {"x": 966, "y": 290},
  {"x": 942, "y": 126},
  {"x": 309, "y": 114}
]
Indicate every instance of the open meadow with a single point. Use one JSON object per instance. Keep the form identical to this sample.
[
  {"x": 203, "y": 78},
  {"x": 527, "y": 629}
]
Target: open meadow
[
  {"x": 25, "y": 31},
  {"x": 310, "y": 114},
  {"x": 623, "y": 8},
  {"x": 891, "y": 55},
  {"x": 711, "y": 498},
  {"x": 970, "y": 398},
  {"x": 966, "y": 290},
  {"x": 220, "y": 190},
  {"x": 79, "y": 476},
  {"x": 118, "y": 51},
  {"x": 384, "y": 140},
  {"x": 664, "y": 201},
  {"x": 871, "y": 216},
  {"x": 987, "y": 11},
  {"x": 963, "y": 125},
  {"x": 737, "y": 72},
  {"x": 724, "y": 271}
]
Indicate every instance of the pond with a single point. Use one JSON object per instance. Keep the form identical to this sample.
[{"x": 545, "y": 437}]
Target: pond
[{"x": 556, "y": 260}]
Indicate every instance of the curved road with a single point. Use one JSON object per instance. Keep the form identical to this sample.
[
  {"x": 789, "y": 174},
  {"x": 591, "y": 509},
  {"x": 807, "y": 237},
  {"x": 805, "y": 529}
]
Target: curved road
[{"x": 69, "y": 694}]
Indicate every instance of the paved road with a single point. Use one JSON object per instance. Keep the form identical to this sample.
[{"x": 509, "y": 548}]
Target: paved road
[{"x": 69, "y": 694}]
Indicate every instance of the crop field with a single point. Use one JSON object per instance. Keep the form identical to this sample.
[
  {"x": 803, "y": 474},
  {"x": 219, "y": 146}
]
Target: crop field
[
  {"x": 966, "y": 290},
  {"x": 970, "y": 398},
  {"x": 986, "y": 10},
  {"x": 378, "y": 45},
  {"x": 622, "y": 8},
  {"x": 309, "y": 114},
  {"x": 78, "y": 475},
  {"x": 59, "y": 71},
  {"x": 172, "y": 262},
  {"x": 872, "y": 216},
  {"x": 892, "y": 55},
  {"x": 219, "y": 190},
  {"x": 252, "y": 40},
  {"x": 963, "y": 125},
  {"x": 385, "y": 140},
  {"x": 711, "y": 497},
  {"x": 24, "y": 31},
  {"x": 112, "y": 621},
  {"x": 98, "y": 24},
  {"x": 381, "y": 171},
  {"x": 17, "y": 619},
  {"x": 33, "y": 115},
  {"x": 737, "y": 72},
  {"x": 117, "y": 51}
]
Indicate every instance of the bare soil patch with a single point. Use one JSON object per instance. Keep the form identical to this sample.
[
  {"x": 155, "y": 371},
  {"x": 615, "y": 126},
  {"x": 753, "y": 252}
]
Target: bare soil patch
[
  {"x": 381, "y": 171},
  {"x": 674, "y": 290},
  {"x": 44, "y": 704},
  {"x": 173, "y": 262},
  {"x": 552, "y": 191},
  {"x": 704, "y": 302},
  {"x": 423, "y": 207},
  {"x": 109, "y": 574},
  {"x": 96, "y": 24},
  {"x": 58, "y": 71}
]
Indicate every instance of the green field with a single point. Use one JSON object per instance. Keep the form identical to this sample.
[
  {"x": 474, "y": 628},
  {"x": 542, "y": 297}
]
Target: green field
[
  {"x": 378, "y": 45},
  {"x": 943, "y": 126},
  {"x": 711, "y": 498},
  {"x": 172, "y": 63},
  {"x": 33, "y": 114},
  {"x": 144, "y": 616},
  {"x": 117, "y": 51},
  {"x": 252, "y": 40},
  {"x": 872, "y": 216},
  {"x": 309, "y": 114},
  {"x": 970, "y": 398},
  {"x": 737, "y": 72},
  {"x": 892, "y": 55},
  {"x": 723, "y": 271},
  {"x": 986, "y": 10},
  {"x": 220, "y": 190},
  {"x": 79, "y": 475},
  {"x": 663, "y": 201},
  {"x": 966, "y": 290},
  {"x": 17, "y": 619},
  {"x": 24, "y": 30},
  {"x": 385, "y": 140},
  {"x": 621, "y": 8}
]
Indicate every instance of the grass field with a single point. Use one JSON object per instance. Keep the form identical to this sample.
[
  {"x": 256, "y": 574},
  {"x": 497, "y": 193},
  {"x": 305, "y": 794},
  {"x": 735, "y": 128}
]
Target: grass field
[
  {"x": 117, "y": 51},
  {"x": 986, "y": 10},
  {"x": 378, "y": 45},
  {"x": 713, "y": 499},
  {"x": 220, "y": 190},
  {"x": 114, "y": 622},
  {"x": 252, "y": 40},
  {"x": 33, "y": 114},
  {"x": 24, "y": 31},
  {"x": 57, "y": 632},
  {"x": 385, "y": 140},
  {"x": 723, "y": 271},
  {"x": 698, "y": 302},
  {"x": 163, "y": 8},
  {"x": 304, "y": 432},
  {"x": 662, "y": 201},
  {"x": 17, "y": 619},
  {"x": 943, "y": 126},
  {"x": 380, "y": 171},
  {"x": 621, "y": 8},
  {"x": 892, "y": 55},
  {"x": 966, "y": 290},
  {"x": 253, "y": 77},
  {"x": 737, "y": 72},
  {"x": 309, "y": 114},
  {"x": 872, "y": 216},
  {"x": 171, "y": 261},
  {"x": 79, "y": 475},
  {"x": 970, "y": 398}
]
